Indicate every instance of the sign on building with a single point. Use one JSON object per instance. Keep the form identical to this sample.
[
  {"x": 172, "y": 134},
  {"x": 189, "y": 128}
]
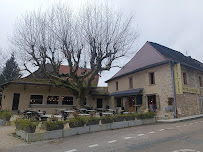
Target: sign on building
[{"x": 177, "y": 78}]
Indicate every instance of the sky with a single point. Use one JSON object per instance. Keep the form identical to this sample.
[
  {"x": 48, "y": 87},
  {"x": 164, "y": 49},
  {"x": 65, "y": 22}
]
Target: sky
[{"x": 177, "y": 24}]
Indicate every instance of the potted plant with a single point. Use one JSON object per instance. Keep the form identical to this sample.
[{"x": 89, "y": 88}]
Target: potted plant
[
  {"x": 105, "y": 120},
  {"x": 5, "y": 115},
  {"x": 77, "y": 121},
  {"x": 119, "y": 117},
  {"x": 53, "y": 125},
  {"x": 93, "y": 121},
  {"x": 28, "y": 125},
  {"x": 129, "y": 117}
]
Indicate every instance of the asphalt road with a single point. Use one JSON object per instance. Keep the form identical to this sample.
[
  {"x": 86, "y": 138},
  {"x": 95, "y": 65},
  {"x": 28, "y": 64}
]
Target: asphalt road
[{"x": 184, "y": 136}]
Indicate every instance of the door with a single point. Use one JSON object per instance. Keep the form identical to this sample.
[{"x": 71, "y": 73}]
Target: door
[
  {"x": 99, "y": 103},
  {"x": 16, "y": 97}
]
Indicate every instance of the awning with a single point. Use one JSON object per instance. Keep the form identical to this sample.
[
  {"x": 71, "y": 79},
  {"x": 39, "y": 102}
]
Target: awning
[{"x": 127, "y": 92}]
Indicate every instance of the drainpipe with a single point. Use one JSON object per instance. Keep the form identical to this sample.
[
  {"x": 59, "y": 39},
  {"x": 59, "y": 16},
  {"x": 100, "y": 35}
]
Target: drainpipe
[{"x": 174, "y": 91}]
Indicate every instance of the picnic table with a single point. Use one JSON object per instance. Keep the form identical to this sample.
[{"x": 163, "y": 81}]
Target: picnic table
[
  {"x": 83, "y": 114},
  {"x": 107, "y": 113}
]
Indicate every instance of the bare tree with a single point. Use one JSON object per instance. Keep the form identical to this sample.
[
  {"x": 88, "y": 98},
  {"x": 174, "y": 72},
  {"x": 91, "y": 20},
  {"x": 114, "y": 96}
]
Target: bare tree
[{"x": 94, "y": 37}]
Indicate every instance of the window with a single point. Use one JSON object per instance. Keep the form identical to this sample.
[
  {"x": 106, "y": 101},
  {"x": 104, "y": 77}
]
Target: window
[
  {"x": 36, "y": 99},
  {"x": 200, "y": 81},
  {"x": 52, "y": 99},
  {"x": 130, "y": 82},
  {"x": 117, "y": 86},
  {"x": 151, "y": 78},
  {"x": 118, "y": 102},
  {"x": 67, "y": 100},
  {"x": 139, "y": 100},
  {"x": 170, "y": 101},
  {"x": 184, "y": 78}
]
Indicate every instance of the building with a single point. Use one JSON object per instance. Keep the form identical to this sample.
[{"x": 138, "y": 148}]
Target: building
[
  {"x": 159, "y": 77},
  {"x": 40, "y": 94}
]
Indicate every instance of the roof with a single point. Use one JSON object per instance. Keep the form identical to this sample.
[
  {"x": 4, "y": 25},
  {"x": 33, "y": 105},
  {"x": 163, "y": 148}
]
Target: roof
[
  {"x": 153, "y": 54},
  {"x": 127, "y": 92},
  {"x": 99, "y": 91}
]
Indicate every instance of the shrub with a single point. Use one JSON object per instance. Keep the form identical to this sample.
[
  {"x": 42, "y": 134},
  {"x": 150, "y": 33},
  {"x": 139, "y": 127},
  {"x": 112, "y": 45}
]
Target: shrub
[
  {"x": 118, "y": 117},
  {"x": 5, "y": 115},
  {"x": 146, "y": 115},
  {"x": 105, "y": 120},
  {"x": 93, "y": 120},
  {"x": 78, "y": 121},
  {"x": 28, "y": 125},
  {"x": 53, "y": 125}
]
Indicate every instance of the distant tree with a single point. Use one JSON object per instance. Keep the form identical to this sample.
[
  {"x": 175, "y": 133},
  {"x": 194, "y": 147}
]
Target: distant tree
[
  {"x": 11, "y": 71},
  {"x": 94, "y": 37}
]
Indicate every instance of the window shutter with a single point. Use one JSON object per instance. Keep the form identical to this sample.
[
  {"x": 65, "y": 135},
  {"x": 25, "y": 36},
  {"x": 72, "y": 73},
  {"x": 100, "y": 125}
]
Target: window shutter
[
  {"x": 144, "y": 102},
  {"x": 157, "y": 102}
]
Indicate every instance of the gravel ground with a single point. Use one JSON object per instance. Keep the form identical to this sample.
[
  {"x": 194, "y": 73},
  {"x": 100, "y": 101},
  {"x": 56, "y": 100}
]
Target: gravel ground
[{"x": 7, "y": 141}]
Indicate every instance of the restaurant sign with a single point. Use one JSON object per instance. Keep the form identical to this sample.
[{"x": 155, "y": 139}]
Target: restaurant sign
[
  {"x": 177, "y": 79},
  {"x": 191, "y": 90}
]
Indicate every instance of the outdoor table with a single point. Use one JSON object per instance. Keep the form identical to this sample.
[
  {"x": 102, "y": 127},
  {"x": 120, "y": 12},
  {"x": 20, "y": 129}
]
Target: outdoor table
[
  {"x": 82, "y": 109},
  {"x": 125, "y": 112},
  {"x": 107, "y": 113},
  {"x": 113, "y": 110},
  {"x": 58, "y": 116},
  {"x": 90, "y": 110},
  {"x": 83, "y": 114},
  {"x": 100, "y": 109}
]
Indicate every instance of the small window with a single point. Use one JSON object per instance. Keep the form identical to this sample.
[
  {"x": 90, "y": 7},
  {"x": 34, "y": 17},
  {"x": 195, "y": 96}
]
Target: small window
[
  {"x": 67, "y": 100},
  {"x": 52, "y": 99},
  {"x": 184, "y": 78},
  {"x": 151, "y": 78},
  {"x": 118, "y": 102},
  {"x": 200, "y": 81},
  {"x": 117, "y": 86},
  {"x": 36, "y": 99},
  {"x": 170, "y": 101},
  {"x": 130, "y": 82}
]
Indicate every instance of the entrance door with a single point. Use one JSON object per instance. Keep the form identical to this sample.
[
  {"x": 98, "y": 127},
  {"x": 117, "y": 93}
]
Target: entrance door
[
  {"x": 152, "y": 103},
  {"x": 99, "y": 103},
  {"x": 131, "y": 103},
  {"x": 16, "y": 97}
]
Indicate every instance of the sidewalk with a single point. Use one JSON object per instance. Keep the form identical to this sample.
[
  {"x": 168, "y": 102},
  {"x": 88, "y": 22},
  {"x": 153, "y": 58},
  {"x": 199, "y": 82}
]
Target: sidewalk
[
  {"x": 6, "y": 139},
  {"x": 180, "y": 119}
]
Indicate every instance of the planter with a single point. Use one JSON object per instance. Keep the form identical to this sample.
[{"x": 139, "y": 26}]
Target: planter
[
  {"x": 58, "y": 127},
  {"x": 93, "y": 122},
  {"x": 73, "y": 125},
  {"x": 29, "y": 129},
  {"x": 106, "y": 120},
  {"x": 129, "y": 118},
  {"x": 119, "y": 119}
]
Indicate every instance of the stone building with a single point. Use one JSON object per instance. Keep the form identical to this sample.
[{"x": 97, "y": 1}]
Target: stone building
[
  {"x": 157, "y": 79},
  {"x": 161, "y": 78}
]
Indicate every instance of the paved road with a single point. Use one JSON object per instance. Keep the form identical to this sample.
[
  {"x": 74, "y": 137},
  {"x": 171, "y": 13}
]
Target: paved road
[{"x": 177, "y": 137}]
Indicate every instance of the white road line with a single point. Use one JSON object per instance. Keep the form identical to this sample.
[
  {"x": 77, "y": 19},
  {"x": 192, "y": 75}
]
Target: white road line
[
  {"x": 177, "y": 126},
  {"x": 196, "y": 122},
  {"x": 191, "y": 124},
  {"x": 140, "y": 135},
  {"x": 161, "y": 129},
  {"x": 112, "y": 141},
  {"x": 170, "y": 128},
  {"x": 201, "y": 121},
  {"x": 71, "y": 150},
  {"x": 152, "y": 132},
  {"x": 184, "y": 125},
  {"x": 127, "y": 137},
  {"x": 95, "y": 145}
]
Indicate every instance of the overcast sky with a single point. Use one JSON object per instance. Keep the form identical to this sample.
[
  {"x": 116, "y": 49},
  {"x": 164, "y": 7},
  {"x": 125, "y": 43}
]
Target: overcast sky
[{"x": 177, "y": 24}]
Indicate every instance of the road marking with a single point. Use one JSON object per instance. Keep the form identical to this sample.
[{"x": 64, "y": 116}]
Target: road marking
[
  {"x": 161, "y": 129},
  {"x": 71, "y": 150},
  {"x": 152, "y": 132},
  {"x": 177, "y": 126},
  {"x": 112, "y": 141},
  {"x": 170, "y": 128},
  {"x": 140, "y": 135},
  {"x": 95, "y": 145},
  {"x": 127, "y": 137},
  {"x": 196, "y": 122},
  {"x": 191, "y": 124},
  {"x": 184, "y": 125},
  {"x": 201, "y": 121},
  {"x": 185, "y": 150}
]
